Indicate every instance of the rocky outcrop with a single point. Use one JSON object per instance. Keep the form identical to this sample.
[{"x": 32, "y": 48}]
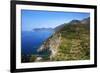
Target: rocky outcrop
[{"x": 51, "y": 44}]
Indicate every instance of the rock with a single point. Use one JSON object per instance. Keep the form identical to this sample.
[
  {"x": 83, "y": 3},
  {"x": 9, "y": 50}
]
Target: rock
[
  {"x": 51, "y": 44},
  {"x": 38, "y": 58}
]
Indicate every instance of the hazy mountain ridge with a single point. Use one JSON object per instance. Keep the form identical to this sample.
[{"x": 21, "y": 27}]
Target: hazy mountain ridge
[
  {"x": 85, "y": 21},
  {"x": 36, "y": 29}
]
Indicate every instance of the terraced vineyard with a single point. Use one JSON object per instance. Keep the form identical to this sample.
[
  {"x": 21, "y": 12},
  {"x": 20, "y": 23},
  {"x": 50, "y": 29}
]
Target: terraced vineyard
[{"x": 75, "y": 43}]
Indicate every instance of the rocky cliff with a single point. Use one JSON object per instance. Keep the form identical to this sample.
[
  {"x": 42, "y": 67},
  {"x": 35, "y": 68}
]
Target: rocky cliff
[{"x": 51, "y": 44}]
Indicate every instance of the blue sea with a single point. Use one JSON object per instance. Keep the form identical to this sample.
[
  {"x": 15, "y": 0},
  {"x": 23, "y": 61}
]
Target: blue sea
[{"x": 32, "y": 40}]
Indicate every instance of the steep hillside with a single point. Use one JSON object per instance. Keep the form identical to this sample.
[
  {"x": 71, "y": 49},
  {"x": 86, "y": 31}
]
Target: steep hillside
[{"x": 70, "y": 42}]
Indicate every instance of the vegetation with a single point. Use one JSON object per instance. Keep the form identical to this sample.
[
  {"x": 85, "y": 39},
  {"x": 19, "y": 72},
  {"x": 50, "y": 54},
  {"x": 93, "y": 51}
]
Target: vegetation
[{"x": 75, "y": 43}]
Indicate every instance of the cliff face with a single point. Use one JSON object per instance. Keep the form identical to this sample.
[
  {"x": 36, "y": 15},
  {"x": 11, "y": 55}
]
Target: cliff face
[
  {"x": 51, "y": 44},
  {"x": 71, "y": 41}
]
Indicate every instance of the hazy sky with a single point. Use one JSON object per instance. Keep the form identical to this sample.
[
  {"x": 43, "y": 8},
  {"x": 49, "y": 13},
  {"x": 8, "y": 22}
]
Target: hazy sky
[{"x": 31, "y": 19}]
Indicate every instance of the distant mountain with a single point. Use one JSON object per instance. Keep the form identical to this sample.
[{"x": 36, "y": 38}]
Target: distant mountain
[
  {"x": 75, "y": 22},
  {"x": 86, "y": 21},
  {"x": 63, "y": 25},
  {"x": 37, "y": 29}
]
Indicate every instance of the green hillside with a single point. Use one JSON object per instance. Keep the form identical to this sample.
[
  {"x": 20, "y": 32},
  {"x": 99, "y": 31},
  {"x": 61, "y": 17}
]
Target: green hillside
[
  {"x": 75, "y": 43},
  {"x": 71, "y": 41}
]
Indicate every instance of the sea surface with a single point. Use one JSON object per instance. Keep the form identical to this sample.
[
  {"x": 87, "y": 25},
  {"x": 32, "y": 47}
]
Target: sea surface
[{"x": 32, "y": 40}]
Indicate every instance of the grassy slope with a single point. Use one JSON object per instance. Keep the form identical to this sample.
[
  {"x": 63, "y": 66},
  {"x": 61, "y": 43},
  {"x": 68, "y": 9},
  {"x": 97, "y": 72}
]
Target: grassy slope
[{"x": 75, "y": 43}]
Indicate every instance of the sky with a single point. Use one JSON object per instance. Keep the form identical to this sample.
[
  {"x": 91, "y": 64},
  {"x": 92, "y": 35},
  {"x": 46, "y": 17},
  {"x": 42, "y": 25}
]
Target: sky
[{"x": 31, "y": 19}]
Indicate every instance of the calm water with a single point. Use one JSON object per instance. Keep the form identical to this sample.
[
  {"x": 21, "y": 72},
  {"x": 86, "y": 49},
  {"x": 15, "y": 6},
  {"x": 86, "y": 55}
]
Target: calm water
[{"x": 32, "y": 40}]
